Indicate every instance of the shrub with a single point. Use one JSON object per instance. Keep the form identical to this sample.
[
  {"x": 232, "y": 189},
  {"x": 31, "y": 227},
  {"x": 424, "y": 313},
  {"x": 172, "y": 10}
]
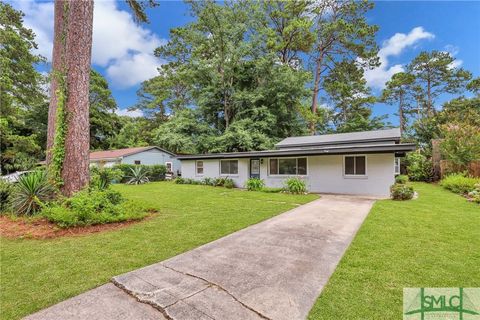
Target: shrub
[
  {"x": 179, "y": 180},
  {"x": 138, "y": 175},
  {"x": 90, "y": 207},
  {"x": 254, "y": 184},
  {"x": 208, "y": 181},
  {"x": 228, "y": 183},
  {"x": 6, "y": 189},
  {"x": 474, "y": 195},
  {"x": 102, "y": 178},
  {"x": 419, "y": 167},
  {"x": 156, "y": 172},
  {"x": 401, "y": 192},
  {"x": 459, "y": 183},
  {"x": 31, "y": 192},
  {"x": 401, "y": 179},
  {"x": 295, "y": 186}
]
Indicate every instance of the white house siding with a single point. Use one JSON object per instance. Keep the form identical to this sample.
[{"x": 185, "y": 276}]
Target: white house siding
[
  {"x": 324, "y": 174},
  {"x": 153, "y": 156}
]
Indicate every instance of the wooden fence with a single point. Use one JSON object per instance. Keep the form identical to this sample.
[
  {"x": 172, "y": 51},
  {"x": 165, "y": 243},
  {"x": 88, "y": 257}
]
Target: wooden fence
[{"x": 447, "y": 167}]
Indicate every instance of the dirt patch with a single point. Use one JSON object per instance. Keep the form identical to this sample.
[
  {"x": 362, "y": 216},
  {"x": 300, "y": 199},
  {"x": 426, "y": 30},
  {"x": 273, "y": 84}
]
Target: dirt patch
[{"x": 40, "y": 228}]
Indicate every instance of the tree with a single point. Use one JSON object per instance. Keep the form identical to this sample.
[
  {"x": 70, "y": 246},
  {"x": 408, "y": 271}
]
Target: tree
[
  {"x": 21, "y": 92},
  {"x": 68, "y": 117},
  {"x": 461, "y": 143},
  {"x": 400, "y": 90},
  {"x": 342, "y": 33},
  {"x": 351, "y": 97},
  {"x": 288, "y": 28},
  {"x": 435, "y": 74},
  {"x": 104, "y": 123}
]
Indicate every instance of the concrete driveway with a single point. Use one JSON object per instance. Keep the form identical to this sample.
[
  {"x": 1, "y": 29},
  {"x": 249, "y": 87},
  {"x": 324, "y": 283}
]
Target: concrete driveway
[{"x": 272, "y": 270}]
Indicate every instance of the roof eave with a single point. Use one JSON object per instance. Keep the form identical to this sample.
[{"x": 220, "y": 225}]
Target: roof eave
[{"x": 394, "y": 148}]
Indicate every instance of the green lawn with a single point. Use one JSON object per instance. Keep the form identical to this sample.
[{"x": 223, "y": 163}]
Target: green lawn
[
  {"x": 39, "y": 273},
  {"x": 433, "y": 241}
]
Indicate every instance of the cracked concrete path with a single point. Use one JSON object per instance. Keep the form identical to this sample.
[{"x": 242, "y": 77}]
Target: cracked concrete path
[{"x": 272, "y": 270}]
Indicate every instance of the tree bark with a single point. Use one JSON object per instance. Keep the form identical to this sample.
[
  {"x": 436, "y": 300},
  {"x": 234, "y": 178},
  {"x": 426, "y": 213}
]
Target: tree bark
[
  {"x": 71, "y": 58},
  {"x": 316, "y": 89},
  {"x": 401, "y": 115}
]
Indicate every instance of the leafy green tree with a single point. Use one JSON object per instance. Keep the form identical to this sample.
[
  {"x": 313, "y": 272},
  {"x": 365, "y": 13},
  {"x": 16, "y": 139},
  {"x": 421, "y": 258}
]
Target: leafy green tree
[
  {"x": 435, "y": 74},
  {"x": 104, "y": 123},
  {"x": 133, "y": 132},
  {"x": 342, "y": 33},
  {"x": 288, "y": 29},
  {"x": 351, "y": 97},
  {"x": 400, "y": 90},
  {"x": 461, "y": 143},
  {"x": 20, "y": 92}
]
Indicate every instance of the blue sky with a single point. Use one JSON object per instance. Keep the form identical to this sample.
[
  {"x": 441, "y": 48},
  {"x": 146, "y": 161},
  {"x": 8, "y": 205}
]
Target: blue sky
[{"x": 123, "y": 50}]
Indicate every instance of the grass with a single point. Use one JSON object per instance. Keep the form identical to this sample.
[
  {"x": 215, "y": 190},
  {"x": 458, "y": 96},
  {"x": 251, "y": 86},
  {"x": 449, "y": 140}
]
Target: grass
[
  {"x": 38, "y": 273},
  {"x": 432, "y": 241}
]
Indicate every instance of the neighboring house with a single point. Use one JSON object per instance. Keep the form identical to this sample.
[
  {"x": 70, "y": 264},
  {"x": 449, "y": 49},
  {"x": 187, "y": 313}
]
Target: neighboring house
[
  {"x": 139, "y": 155},
  {"x": 346, "y": 163}
]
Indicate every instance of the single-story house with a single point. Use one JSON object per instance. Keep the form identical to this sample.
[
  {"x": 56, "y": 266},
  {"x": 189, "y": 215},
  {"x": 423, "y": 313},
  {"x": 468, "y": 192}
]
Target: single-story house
[
  {"x": 363, "y": 163},
  {"x": 140, "y": 155}
]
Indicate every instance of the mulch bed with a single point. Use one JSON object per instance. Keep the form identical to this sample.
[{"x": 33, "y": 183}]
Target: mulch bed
[{"x": 22, "y": 228}]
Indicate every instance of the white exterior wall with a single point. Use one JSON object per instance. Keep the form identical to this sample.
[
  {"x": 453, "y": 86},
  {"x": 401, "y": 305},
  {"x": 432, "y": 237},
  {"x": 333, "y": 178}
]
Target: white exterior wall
[
  {"x": 324, "y": 174},
  {"x": 153, "y": 156}
]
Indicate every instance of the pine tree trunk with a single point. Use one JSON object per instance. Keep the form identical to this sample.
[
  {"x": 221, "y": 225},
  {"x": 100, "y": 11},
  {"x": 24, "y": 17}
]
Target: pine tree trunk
[
  {"x": 316, "y": 89},
  {"x": 401, "y": 116},
  {"x": 71, "y": 59}
]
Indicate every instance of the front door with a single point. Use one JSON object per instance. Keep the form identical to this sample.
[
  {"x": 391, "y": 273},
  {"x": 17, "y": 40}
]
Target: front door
[{"x": 254, "y": 168}]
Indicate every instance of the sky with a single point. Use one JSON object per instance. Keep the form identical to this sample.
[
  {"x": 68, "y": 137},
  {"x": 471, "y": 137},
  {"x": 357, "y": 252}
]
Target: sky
[{"x": 123, "y": 50}]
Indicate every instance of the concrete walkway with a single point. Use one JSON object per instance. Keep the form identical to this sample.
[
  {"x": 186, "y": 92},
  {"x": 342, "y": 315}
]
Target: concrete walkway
[{"x": 272, "y": 270}]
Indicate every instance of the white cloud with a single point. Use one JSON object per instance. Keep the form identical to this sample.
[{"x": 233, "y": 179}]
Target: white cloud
[
  {"x": 394, "y": 47},
  {"x": 122, "y": 47},
  {"x": 453, "y": 51},
  {"x": 128, "y": 113}
]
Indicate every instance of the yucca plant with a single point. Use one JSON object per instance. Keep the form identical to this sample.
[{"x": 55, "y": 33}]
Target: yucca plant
[
  {"x": 31, "y": 192},
  {"x": 138, "y": 175}
]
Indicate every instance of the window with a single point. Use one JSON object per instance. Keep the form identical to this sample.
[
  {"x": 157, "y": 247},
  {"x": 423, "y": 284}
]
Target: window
[
  {"x": 288, "y": 166},
  {"x": 169, "y": 167},
  {"x": 355, "y": 165},
  {"x": 137, "y": 162},
  {"x": 199, "y": 165},
  {"x": 228, "y": 166},
  {"x": 397, "y": 166}
]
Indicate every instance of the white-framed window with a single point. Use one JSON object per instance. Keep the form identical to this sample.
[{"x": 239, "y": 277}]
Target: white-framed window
[
  {"x": 355, "y": 165},
  {"x": 287, "y": 166},
  {"x": 229, "y": 167},
  {"x": 396, "y": 166},
  {"x": 199, "y": 167},
  {"x": 169, "y": 166}
]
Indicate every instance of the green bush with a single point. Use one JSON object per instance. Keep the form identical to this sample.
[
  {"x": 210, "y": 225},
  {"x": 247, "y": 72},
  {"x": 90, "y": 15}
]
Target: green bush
[
  {"x": 102, "y": 178},
  {"x": 179, "y": 180},
  {"x": 228, "y": 183},
  {"x": 401, "y": 192},
  {"x": 419, "y": 167},
  {"x": 138, "y": 175},
  {"x": 208, "y": 181},
  {"x": 6, "y": 190},
  {"x": 401, "y": 179},
  {"x": 459, "y": 183},
  {"x": 474, "y": 195},
  {"x": 31, "y": 192},
  {"x": 254, "y": 184},
  {"x": 90, "y": 207},
  {"x": 295, "y": 186},
  {"x": 154, "y": 172}
]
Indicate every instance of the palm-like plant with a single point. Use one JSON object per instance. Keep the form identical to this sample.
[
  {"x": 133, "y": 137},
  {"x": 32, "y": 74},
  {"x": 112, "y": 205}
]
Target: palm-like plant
[
  {"x": 138, "y": 175},
  {"x": 31, "y": 192}
]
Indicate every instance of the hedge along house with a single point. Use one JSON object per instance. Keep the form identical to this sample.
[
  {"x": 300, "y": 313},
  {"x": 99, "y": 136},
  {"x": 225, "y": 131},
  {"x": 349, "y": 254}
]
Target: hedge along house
[
  {"x": 363, "y": 163},
  {"x": 140, "y": 155}
]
